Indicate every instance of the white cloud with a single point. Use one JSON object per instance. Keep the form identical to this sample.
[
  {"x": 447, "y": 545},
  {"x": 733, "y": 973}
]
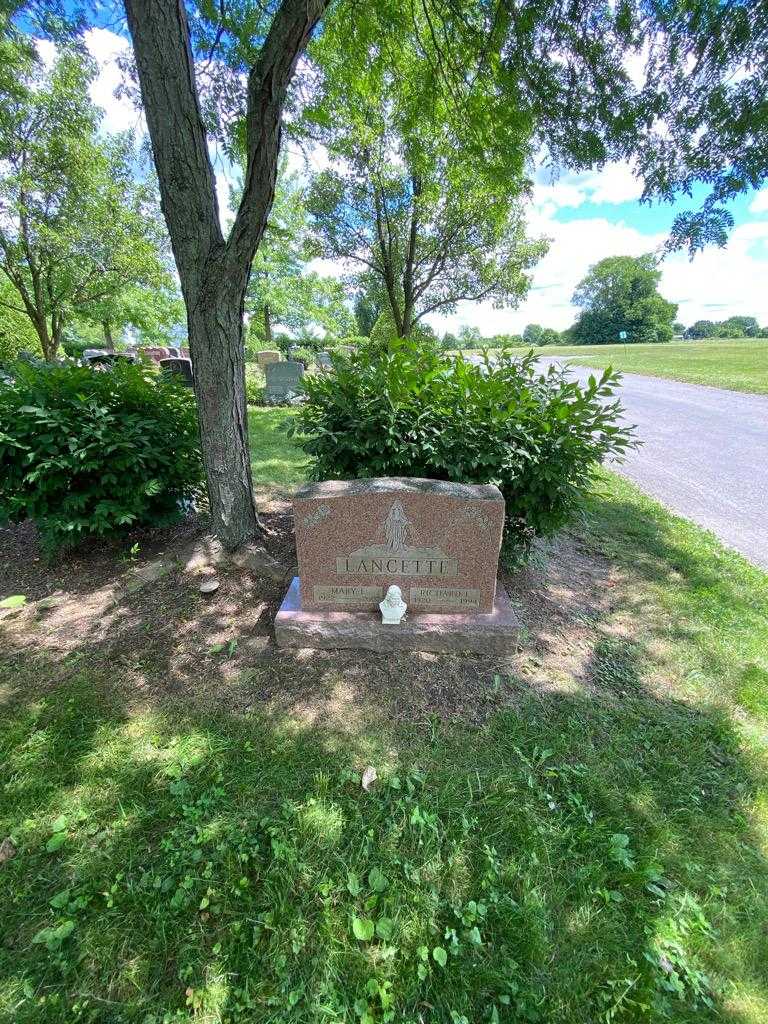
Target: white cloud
[
  {"x": 614, "y": 184},
  {"x": 760, "y": 203},
  {"x": 105, "y": 47},
  {"x": 120, "y": 114},
  {"x": 716, "y": 284},
  {"x": 310, "y": 161},
  {"x": 719, "y": 283},
  {"x": 575, "y": 246}
]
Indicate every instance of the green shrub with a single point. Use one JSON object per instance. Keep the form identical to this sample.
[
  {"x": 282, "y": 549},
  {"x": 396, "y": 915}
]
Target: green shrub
[
  {"x": 409, "y": 411},
  {"x": 302, "y": 355},
  {"x": 84, "y": 453},
  {"x": 255, "y": 382}
]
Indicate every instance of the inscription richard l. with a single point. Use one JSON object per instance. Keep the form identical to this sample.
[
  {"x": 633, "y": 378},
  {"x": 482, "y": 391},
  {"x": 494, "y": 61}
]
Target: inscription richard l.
[
  {"x": 453, "y": 597},
  {"x": 396, "y": 565}
]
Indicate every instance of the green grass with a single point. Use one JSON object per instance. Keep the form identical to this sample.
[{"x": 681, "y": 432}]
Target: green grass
[
  {"x": 581, "y": 858},
  {"x": 737, "y": 365},
  {"x": 276, "y": 462}
]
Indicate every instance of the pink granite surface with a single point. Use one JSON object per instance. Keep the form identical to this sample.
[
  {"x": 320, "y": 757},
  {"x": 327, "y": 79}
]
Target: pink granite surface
[
  {"x": 496, "y": 633},
  {"x": 438, "y": 541},
  {"x": 267, "y": 356}
]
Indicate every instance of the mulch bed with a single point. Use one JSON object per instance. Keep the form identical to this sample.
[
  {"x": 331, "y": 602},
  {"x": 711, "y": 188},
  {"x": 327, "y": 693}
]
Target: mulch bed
[{"x": 166, "y": 641}]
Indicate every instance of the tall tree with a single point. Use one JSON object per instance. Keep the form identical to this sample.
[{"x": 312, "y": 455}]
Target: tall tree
[
  {"x": 558, "y": 68},
  {"x": 214, "y": 270},
  {"x": 74, "y": 225},
  {"x": 432, "y": 232},
  {"x": 153, "y": 313},
  {"x": 620, "y": 295},
  {"x": 282, "y": 290}
]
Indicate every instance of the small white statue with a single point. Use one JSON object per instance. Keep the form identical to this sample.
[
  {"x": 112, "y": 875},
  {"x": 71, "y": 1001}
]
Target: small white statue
[{"x": 393, "y": 607}]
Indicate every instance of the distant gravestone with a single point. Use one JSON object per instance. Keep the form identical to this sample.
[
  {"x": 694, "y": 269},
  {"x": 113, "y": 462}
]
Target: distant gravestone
[
  {"x": 438, "y": 541},
  {"x": 181, "y": 367},
  {"x": 266, "y": 357},
  {"x": 323, "y": 361},
  {"x": 283, "y": 380},
  {"x": 155, "y": 353}
]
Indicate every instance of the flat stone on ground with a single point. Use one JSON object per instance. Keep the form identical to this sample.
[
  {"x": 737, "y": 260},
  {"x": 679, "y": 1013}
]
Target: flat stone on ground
[{"x": 496, "y": 633}]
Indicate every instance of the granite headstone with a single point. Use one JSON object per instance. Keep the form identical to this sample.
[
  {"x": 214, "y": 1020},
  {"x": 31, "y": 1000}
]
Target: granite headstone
[
  {"x": 438, "y": 541},
  {"x": 182, "y": 367},
  {"x": 283, "y": 380}
]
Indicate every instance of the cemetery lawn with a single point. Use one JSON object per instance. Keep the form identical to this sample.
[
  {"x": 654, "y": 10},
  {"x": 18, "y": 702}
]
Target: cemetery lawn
[
  {"x": 578, "y": 834},
  {"x": 277, "y": 463},
  {"x": 735, "y": 365}
]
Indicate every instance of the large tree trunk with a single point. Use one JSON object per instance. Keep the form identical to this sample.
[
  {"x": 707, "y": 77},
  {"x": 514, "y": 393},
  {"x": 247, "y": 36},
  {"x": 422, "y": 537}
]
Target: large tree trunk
[
  {"x": 106, "y": 327},
  {"x": 213, "y": 271},
  {"x": 215, "y": 322}
]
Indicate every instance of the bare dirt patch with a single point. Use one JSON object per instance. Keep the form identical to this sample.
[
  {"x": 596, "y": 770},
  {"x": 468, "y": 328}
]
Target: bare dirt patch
[{"x": 164, "y": 640}]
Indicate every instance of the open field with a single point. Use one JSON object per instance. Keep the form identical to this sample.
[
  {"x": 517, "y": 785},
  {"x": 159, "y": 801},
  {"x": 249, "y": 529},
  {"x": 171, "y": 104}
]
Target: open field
[
  {"x": 576, "y": 834},
  {"x": 737, "y": 365}
]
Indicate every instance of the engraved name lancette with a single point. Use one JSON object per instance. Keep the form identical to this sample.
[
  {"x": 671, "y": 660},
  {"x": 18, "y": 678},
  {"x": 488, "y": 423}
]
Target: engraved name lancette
[
  {"x": 397, "y": 551},
  {"x": 396, "y": 565}
]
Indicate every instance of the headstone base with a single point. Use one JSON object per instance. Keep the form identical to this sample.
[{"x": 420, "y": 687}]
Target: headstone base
[{"x": 495, "y": 633}]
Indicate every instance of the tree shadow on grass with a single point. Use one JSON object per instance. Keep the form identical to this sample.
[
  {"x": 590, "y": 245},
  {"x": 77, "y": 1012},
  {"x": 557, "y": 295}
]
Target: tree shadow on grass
[
  {"x": 574, "y": 857},
  {"x": 570, "y": 856}
]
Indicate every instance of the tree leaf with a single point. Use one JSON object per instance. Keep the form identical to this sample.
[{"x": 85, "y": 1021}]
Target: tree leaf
[
  {"x": 362, "y": 928},
  {"x": 440, "y": 956}
]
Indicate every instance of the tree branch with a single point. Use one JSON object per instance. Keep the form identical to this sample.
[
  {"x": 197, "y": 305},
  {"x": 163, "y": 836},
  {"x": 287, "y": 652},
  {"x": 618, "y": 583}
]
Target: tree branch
[
  {"x": 268, "y": 84},
  {"x": 165, "y": 63}
]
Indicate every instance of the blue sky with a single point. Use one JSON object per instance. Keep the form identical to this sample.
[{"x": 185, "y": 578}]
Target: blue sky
[{"x": 587, "y": 217}]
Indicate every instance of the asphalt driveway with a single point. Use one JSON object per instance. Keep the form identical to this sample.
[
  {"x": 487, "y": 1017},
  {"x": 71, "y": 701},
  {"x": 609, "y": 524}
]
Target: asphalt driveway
[{"x": 705, "y": 455}]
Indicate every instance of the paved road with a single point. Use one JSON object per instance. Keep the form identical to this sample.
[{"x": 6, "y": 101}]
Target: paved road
[{"x": 705, "y": 455}]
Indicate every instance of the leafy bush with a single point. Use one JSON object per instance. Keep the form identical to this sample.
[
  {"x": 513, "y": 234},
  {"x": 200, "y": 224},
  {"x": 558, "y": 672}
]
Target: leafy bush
[
  {"x": 301, "y": 355},
  {"x": 408, "y": 411},
  {"x": 84, "y": 453},
  {"x": 255, "y": 382}
]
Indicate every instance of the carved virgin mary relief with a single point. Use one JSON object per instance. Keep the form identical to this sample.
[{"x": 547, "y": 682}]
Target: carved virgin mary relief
[{"x": 396, "y": 550}]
